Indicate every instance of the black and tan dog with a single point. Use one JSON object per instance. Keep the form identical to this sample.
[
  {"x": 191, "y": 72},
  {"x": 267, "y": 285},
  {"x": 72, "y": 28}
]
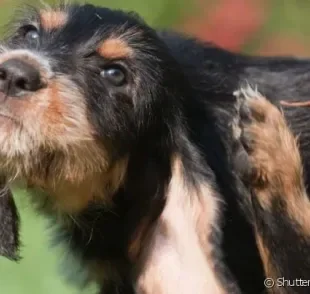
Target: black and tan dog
[{"x": 126, "y": 139}]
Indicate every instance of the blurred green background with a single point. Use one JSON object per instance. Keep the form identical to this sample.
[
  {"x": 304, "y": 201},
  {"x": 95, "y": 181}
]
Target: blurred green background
[{"x": 255, "y": 26}]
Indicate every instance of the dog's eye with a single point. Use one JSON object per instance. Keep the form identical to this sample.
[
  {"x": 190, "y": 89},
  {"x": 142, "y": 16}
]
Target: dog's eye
[
  {"x": 114, "y": 74},
  {"x": 31, "y": 34}
]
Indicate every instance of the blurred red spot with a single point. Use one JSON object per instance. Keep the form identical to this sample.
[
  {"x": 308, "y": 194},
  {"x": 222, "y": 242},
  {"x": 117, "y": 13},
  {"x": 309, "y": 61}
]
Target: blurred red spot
[{"x": 230, "y": 23}]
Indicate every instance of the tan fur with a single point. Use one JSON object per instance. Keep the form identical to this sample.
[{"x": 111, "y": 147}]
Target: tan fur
[
  {"x": 299, "y": 212},
  {"x": 53, "y": 19},
  {"x": 66, "y": 194},
  {"x": 178, "y": 256},
  {"x": 271, "y": 272},
  {"x": 115, "y": 48},
  {"x": 265, "y": 256},
  {"x": 278, "y": 169},
  {"x": 54, "y": 120},
  {"x": 275, "y": 157}
]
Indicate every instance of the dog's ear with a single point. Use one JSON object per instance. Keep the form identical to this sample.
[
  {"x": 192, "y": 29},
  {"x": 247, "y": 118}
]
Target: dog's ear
[{"x": 9, "y": 226}]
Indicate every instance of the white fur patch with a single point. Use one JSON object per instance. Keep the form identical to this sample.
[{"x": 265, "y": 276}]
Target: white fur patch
[
  {"x": 179, "y": 259},
  {"x": 247, "y": 92}
]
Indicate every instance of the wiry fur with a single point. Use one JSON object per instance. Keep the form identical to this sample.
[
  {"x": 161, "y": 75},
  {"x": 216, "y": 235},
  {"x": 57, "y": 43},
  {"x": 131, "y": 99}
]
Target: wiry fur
[
  {"x": 101, "y": 155},
  {"x": 278, "y": 202},
  {"x": 102, "y": 160}
]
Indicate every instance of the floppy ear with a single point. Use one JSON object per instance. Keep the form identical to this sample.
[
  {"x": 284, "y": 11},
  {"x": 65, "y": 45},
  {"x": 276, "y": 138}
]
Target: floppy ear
[
  {"x": 9, "y": 226},
  {"x": 178, "y": 254}
]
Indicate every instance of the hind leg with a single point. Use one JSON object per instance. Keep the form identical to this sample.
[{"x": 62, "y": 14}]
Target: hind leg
[{"x": 271, "y": 168}]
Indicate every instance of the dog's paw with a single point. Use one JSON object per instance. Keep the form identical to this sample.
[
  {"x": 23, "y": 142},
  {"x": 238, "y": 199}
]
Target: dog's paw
[{"x": 268, "y": 158}]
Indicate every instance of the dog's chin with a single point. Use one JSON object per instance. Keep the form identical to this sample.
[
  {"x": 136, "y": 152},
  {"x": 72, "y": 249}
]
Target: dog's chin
[
  {"x": 7, "y": 120},
  {"x": 19, "y": 155},
  {"x": 9, "y": 126}
]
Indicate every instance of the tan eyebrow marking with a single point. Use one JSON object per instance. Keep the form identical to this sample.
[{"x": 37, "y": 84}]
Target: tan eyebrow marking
[
  {"x": 114, "y": 48},
  {"x": 53, "y": 19}
]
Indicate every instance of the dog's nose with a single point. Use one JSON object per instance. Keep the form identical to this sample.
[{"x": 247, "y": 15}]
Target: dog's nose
[{"x": 18, "y": 78}]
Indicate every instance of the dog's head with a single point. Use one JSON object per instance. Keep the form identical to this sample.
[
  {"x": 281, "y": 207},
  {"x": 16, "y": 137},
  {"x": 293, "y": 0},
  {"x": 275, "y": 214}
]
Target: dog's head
[{"x": 80, "y": 88}]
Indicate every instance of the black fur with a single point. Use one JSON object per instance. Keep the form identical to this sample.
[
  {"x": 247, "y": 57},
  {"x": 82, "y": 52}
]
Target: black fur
[
  {"x": 9, "y": 226},
  {"x": 278, "y": 78}
]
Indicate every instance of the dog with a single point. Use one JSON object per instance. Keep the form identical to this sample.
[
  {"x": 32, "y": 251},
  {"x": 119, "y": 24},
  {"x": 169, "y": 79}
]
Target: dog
[
  {"x": 125, "y": 137},
  {"x": 95, "y": 123}
]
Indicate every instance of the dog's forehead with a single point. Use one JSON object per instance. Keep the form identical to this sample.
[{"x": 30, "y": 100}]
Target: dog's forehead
[
  {"x": 84, "y": 27},
  {"x": 85, "y": 21}
]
